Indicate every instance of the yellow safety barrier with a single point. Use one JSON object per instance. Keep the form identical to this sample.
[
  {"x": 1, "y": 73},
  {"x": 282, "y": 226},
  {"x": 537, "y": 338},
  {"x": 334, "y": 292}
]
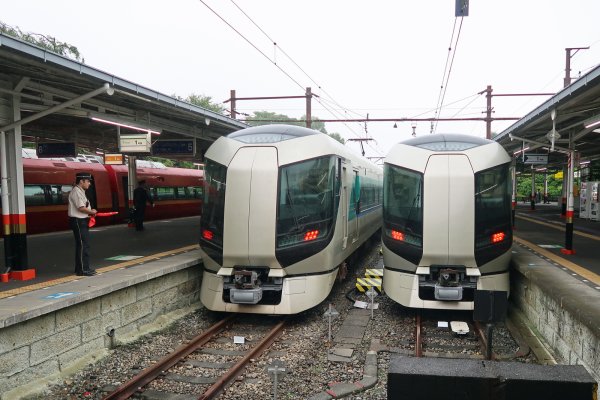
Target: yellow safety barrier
[
  {"x": 374, "y": 273},
  {"x": 363, "y": 284}
]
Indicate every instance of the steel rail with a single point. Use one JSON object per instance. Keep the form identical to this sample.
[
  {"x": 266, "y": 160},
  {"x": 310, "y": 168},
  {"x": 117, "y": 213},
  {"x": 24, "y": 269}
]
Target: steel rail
[
  {"x": 136, "y": 383},
  {"x": 484, "y": 340},
  {"x": 418, "y": 338},
  {"x": 233, "y": 372}
]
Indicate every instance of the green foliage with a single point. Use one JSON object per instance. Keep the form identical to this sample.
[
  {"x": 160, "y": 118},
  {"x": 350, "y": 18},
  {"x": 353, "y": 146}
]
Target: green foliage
[
  {"x": 203, "y": 101},
  {"x": 44, "y": 41},
  {"x": 337, "y": 137},
  {"x": 267, "y": 118},
  {"x": 524, "y": 185}
]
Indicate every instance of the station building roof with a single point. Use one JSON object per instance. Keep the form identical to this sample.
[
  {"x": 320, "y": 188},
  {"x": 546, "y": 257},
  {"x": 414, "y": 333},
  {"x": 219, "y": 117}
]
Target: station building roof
[
  {"x": 42, "y": 79},
  {"x": 576, "y": 111}
]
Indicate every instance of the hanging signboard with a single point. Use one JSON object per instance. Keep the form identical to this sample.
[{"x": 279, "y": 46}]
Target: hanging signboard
[
  {"x": 174, "y": 147},
  {"x": 113, "y": 159},
  {"x": 134, "y": 143},
  {"x": 535, "y": 159},
  {"x": 55, "y": 150}
]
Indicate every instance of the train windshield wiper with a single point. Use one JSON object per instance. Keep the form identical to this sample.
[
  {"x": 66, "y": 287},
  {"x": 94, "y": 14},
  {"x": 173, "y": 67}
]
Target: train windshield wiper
[
  {"x": 291, "y": 201},
  {"x": 415, "y": 201}
]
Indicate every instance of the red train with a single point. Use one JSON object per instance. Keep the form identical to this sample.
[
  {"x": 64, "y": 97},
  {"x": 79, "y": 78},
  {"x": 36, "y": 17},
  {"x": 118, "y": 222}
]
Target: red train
[{"x": 177, "y": 192}]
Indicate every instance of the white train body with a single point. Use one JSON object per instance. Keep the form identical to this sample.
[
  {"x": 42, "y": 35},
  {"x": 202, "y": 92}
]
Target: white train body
[
  {"x": 284, "y": 206},
  {"x": 447, "y": 221}
]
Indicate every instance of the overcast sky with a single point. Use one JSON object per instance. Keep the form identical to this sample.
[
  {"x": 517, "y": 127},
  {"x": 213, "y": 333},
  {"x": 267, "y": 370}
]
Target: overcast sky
[{"x": 386, "y": 58}]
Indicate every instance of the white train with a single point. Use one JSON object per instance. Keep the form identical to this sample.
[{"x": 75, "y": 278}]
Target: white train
[
  {"x": 446, "y": 221},
  {"x": 283, "y": 208}
]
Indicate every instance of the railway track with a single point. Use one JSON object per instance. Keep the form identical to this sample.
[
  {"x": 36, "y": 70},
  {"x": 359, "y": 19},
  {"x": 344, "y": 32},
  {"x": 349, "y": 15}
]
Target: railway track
[
  {"x": 210, "y": 361},
  {"x": 431, "y": 340}
]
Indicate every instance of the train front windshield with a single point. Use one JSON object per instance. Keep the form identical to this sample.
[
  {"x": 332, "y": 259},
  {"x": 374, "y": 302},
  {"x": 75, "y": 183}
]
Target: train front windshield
[
  {"x": 403, "y": 205},
  {"x": 493, "y": 228},
  {"x": 306, "y": 201},
  {"x": 213, "y": 209}
]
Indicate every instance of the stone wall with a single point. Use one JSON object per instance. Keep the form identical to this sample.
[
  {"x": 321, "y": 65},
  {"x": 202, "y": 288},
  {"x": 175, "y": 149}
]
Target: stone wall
[
  {"x": 57, "y": 343},
  {"x": 564, "y": 310}
]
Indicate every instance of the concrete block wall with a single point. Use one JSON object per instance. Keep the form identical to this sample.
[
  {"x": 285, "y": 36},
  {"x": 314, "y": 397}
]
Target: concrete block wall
[
  {"x": 54, "y": 344},
  {"x": 562, "y": 308}
]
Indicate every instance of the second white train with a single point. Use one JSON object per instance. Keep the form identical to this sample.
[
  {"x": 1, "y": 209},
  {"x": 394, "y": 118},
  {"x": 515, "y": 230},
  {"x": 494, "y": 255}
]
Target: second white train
[
  {"x": 284, "y": 206},
  {"x": 447, "y": 227}
]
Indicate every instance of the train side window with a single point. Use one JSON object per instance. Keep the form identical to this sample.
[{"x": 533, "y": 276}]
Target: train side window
[
  {"x": 64, "y": 193},
  {"x": 165, "y": 193},
  {"x": 35, "y": 195}
]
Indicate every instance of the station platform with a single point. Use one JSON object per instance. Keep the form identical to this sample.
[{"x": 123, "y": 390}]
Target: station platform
[
  {"x": 52, "y": 255},
  {"x": 543, "y": 231}
]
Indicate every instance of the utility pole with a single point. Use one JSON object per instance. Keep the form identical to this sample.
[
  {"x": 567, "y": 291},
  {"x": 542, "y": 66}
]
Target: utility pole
[
  {"x": 308, "y": 107},
  {"x": 568, "y": 56},
  {"x": 488, "y": 112},
  {"x": 232, "y": 112},
  {"x": 489, "y": 109}
]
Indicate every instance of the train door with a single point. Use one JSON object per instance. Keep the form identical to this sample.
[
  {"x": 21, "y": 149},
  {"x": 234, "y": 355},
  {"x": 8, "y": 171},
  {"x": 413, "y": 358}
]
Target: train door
[
  {"x": 125, "y": 192},
  {"x": 355, "y": 204},
  {"x": 91, "y": 195},
  {"x": 344, "y": 204}
]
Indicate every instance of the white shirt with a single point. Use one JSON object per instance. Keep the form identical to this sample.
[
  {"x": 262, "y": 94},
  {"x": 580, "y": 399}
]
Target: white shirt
[{"x": 78, "y": 199}]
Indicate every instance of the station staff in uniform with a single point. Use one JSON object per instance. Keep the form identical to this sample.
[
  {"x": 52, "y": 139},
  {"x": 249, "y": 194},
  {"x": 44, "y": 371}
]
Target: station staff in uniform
[
  {"x": 80, "y": 211},
  {"x": 141, "y": 196}
]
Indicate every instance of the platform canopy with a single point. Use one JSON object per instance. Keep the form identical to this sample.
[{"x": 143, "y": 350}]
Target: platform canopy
[
  {"x": 42, "y": 80},
  {"x": 576, "y": 114}
]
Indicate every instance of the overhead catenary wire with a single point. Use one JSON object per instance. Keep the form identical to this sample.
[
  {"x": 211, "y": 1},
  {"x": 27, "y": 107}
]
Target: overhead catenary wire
[
  {"x": 447, "y": 71},
  {"x": 276, "y": 46}
]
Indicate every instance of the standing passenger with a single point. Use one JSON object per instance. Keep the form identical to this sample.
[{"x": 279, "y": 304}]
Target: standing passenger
[
  {"x": 79, "y": 212},
  {"x": 140, "y": 197}
]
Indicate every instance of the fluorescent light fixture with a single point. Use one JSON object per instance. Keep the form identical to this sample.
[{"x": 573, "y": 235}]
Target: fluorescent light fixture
[
  {"x": 591, "y": 122},
  {"x": 585, "y": 162},
  {"x": 127, "y": 125},
  {"x": 520, "y": 151}
]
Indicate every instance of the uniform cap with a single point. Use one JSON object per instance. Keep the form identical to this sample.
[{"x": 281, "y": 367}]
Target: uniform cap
[{"x": 83, "y": 175}]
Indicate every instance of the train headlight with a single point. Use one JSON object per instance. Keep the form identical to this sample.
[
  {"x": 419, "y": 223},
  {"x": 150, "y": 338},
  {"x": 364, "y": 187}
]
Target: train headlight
[{"x": 498, "y": 237}]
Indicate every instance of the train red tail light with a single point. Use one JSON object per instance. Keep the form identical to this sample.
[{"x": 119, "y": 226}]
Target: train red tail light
[
  {"x": 396, "y": 235},
  {"x": 498, "y": 237},
  {"x": 311, "y": 235},
  {"x": 206, "y": 234}
]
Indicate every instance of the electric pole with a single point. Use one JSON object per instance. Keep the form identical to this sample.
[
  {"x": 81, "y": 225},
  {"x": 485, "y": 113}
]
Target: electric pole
[{"x": 568, "y": 56}]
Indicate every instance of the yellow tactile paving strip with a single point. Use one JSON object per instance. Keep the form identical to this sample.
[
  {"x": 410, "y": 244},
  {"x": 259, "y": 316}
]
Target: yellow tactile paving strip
[
  {"x": 589, "y": 275},
  {"x": 70, "y": 278}
]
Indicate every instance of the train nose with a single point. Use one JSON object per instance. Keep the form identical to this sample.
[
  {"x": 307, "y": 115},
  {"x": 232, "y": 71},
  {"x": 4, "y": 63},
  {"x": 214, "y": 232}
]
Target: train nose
[{"x": 252, "y": 193}]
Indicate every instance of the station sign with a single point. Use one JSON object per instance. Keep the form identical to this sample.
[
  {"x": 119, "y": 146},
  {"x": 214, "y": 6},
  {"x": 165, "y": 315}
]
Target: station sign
[
  {"x": 175, "y": 147},
  {"x": 535, "y": 158},
  {"x": 134, "y": 143},
  {"x": 55, "y": 150},
  {"x": 113, "y": 159}
]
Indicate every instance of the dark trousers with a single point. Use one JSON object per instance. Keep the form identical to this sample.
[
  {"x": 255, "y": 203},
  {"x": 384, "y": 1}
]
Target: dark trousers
[
  {"x": 81, "y": 232},
  {"x": 138, "y": 216}
]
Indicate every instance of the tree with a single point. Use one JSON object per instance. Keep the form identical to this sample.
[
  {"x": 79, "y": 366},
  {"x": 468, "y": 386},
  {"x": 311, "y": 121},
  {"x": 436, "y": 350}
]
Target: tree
[
  {"x": 203, "y": 101},
  {"x": 266, "y": 118},
  {"x": 337, "y": 137},
  {"x": 44, "y": 41}
]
